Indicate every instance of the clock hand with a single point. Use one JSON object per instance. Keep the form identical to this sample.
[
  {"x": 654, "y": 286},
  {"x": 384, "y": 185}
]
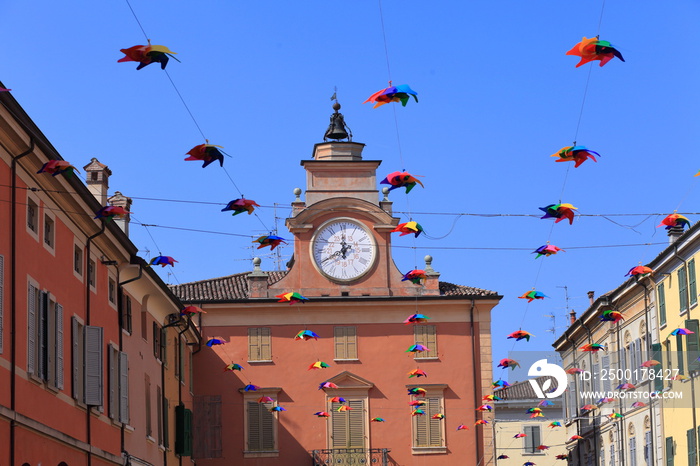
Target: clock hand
[{"x": 335, "y": 254}]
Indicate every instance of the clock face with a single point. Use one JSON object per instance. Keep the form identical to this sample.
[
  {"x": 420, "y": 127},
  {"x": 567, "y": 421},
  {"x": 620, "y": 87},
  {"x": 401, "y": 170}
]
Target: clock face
[{"x": 343, "y": 250}]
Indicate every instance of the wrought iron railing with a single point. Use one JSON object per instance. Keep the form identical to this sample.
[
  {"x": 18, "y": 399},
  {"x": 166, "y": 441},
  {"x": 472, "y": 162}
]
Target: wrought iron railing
[{"x": 355, "y": 456}]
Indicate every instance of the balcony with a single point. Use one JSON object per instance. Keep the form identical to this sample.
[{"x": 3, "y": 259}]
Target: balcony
[{"x": 356, "y": 456}]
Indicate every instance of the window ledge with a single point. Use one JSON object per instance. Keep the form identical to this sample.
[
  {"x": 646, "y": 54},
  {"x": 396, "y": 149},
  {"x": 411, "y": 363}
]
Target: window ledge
[
  {"x": 129, "y": 428},
  {"x": 347, "y": 360},
  {"x": 683, "y": 312},
  {"x": 261, "y": 361},
  {"x": 150, "y": 439},
  {"x": 428, "y": 450},
  {"x": 261, "y": 454},
  {"x": 427, "y": 358}
]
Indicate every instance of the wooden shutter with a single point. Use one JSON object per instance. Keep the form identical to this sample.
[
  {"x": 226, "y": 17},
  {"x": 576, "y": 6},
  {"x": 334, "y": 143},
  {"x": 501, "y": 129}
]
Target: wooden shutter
[
  {"x": 113, "y": 383},
  {"x": 59, "y": 347},
  {"x": 144, "y": 323},
  {"x": 76, "y": 335},
  {"x": 147, "y": 397},
  {"x": 692, "y": 452},
  {"x": 164, "y": 346},
  {"x": 421, "y": 434},
  {"x": 31, "y": 329},
  {"x": 260, "y": 427},
  {"x": 2, "y": 296},
  {"x": 669, "y": 451},
  {"x": 680, "y": 354},
  {"x": 658, "y": 370},
  {"x": 183, "y": 431},
  {"x": 345, "y": 342},
  {"x": 181, "y": 358},
  {"x": 265, "y": 344},
  {"x": 434, "y": 425},
  {"x": 693, "y": 289},
  {"x": 93, "y": 366},
  {"x": 633, "y": 451},
  {"x": 207, "y": 427},
  {"x": 339, "y": 427},
  {"x": 661, "y": 298},
  {"x": 156, "y": 340},
  {"x": 683, "y": 288},
  {"x": 123, "y": 387},
  {"x": 166, "y": 423},
  {"x": 426, "y": 335},
  {"x": 253, "y": 344},
  {"x": 647, "y": 447},
  {"x": 693, "y": 344},
  {"x": 529, "y": 439},
  {"x": 159, "y": 414},
  {"x": 606, "y": 368},
  {"x": 42, "y": 335},
  {"x": 267, "y": 426}
]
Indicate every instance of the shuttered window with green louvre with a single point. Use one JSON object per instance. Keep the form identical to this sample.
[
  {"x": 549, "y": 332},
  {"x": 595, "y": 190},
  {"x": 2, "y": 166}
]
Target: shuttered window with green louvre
[
  {"x": 693, "y": 344},
  {"x": 669, "y": 451},
  {"x": 658, "y": 370},
  {"x": 428, "y": 432},
  {"x": 692, "y": 285},
  {"x": 692, "y": 452},
  {"x": 348, "y": 427},
  {"x": 661, "y": 298},
  {"x": 260, "y": 426},
  {"x": 183, "y": 431}
]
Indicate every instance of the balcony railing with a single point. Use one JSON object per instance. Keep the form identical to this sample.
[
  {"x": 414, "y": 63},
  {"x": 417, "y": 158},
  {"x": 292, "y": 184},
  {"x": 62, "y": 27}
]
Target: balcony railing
[{"x": 355, "y": 456}]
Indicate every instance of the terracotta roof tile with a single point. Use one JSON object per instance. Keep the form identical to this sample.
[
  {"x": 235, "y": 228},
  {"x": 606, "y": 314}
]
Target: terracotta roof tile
[
  {"x": 235, "y": 287},
  {"x": 523, "y": 390}
]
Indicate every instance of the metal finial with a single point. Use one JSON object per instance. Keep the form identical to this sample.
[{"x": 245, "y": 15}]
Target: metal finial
[
  {"x": 297, "y": 193},
  {"x": 385, "y": 191}
]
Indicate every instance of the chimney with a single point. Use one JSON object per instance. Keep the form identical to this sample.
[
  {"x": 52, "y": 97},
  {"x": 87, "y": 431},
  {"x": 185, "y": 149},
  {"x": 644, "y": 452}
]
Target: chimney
[
  {"x": 591, "y": 297},
  {"x": 121, "y": 200},
  {"x": 572, "y": 316},
  {"x": 432, "y": 281},
  {"x": 257, "y": 281},
  {"x": 98, "y": 180},
  {"x": 674, "y": 233}
]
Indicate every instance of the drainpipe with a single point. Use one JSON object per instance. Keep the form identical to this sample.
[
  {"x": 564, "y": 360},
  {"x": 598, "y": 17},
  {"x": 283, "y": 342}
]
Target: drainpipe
[
  {"x": 595, "y": 425},
  {"x": 13, "y": 292},
  {"x": 120, "y": 303},
  {"x": 479, "y": 437},
  {"x": 692, "y": 377}
]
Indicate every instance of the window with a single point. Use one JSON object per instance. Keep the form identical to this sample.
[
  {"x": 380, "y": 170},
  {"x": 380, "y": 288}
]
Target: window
[
  {"x": 692, "y": 286},
  {"x": 181, "y": 360},
  {"x": 670, "y": 451},
  {"x": 683, "y": 289},
  {"x": 44, "y": 338},
  {"x": 633, "y": 451},
  {"x": 78, "y": 339},
  {"x": 78, "y": 260},
  {"x": 91, "y": 273},
  {"x": 345, "y": 339},
  {"x": 144, "y": 321},
  {"x": 260, "y": 424},
  {"x": 428, "y": 432},
  {"x": 32, "y": 216},
  {"x": 166, "y": 411},
  {"x": 661, "y": 298},
  {"x": 259, "y": 344},
  {"x": 607, "y": 383},
  {"x": 159, "y": 414},
  {"x": 164, "y": 346},
  {"x": 49, "y": 233},
  {"x": 2, "y": 300},
  {"x": 348, "y": 427},
  {"x": 126, "y": 313},
  {"x": 533, "y": 440},
  {"x": 112, "y": 291},
  {"x": 207, "y": 418},
  {"x": 118, "y": 385},
  {"x": 425, "y": 335},
  {"x": 183, "y": 431}
]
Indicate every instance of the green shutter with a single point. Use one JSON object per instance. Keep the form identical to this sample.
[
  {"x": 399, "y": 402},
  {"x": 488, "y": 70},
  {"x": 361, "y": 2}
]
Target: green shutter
[
  {"x": 691, "y": 282},
  {"x": 680, "y": 354},
  {"x": 693, "y": 344},
  {"x": 659, "y": 370},
  {"x": 183, "y": 431},
  {"x": 661, "y": 298},
  {"x": 692, "y": 453},
  {"x": 683, "y": 289},
  {"x": 669, "y": 451}
]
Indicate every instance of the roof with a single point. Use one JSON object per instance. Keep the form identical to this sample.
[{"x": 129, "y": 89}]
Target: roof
[
  {"x": 523, "y": 390},
  {"x": 235, "y": 287}
]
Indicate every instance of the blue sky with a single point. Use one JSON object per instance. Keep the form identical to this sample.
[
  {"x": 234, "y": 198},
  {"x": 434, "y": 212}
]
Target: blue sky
[{"x": 497, "y": 96}]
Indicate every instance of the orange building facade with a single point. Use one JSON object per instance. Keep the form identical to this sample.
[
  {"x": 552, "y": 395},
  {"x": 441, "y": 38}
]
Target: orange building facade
[
  {"x": 94, "y": 357},
  {"x": 274, "y": 410}
]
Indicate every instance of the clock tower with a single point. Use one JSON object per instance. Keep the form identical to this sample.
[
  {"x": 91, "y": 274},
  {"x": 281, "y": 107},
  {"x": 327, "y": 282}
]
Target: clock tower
[{"x": 342, "y": 232}]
